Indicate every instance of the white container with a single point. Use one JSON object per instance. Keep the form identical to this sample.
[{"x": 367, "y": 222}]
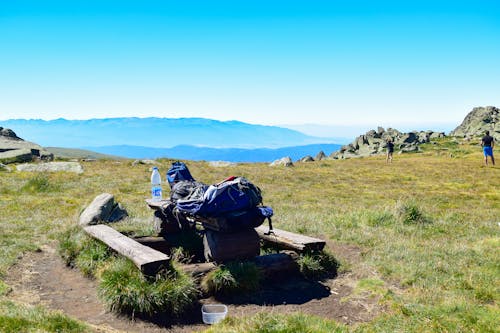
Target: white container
[{"x": 213, "y": 313}]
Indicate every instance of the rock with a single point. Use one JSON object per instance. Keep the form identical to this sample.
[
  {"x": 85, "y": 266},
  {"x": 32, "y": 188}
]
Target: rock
[
  {"x": 17, "y": 149},
  {"x": 117, "y": 214},
  {"x": 479, "y": 120},
  {"x": 374, "y": 142},
  {"x": 6, "y": 132},
  {"x": 437, "y": 135},
  {"x": 16, "y": 156},
  {"x": 102, "y": 209},
  {"x": 51, "y": 167},
  {"x": 3, "y": 167},
  {"x": 320, "y": 156},
  {"x": 147, "y": 162},
  {"x": 220, "y": 164},
  {"x": 285, "y": 161},
  {"x": 307, "y": 158}
]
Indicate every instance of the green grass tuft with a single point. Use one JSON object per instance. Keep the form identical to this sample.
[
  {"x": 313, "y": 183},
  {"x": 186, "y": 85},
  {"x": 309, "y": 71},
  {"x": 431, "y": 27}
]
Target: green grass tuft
[
  {"x": 40, "y": 183},
  {"x": 409, "y": 212},
  {"x": 21, "y": 318},
  {"x": 318, "y": 265},
  {"x": 124, "y": 289},
  {"x": 232, "y": 278}
]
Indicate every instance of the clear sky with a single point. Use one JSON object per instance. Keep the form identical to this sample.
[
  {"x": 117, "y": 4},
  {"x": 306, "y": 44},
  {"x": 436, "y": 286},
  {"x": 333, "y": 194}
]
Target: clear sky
[{"x": 343, "y": 63}]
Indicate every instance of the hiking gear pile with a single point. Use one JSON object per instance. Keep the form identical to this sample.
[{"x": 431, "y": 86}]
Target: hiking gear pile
[{"x": 231, "y": 205}]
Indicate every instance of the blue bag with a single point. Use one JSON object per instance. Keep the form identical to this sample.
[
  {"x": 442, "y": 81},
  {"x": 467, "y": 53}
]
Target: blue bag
[{"x": 177, "y": 172}]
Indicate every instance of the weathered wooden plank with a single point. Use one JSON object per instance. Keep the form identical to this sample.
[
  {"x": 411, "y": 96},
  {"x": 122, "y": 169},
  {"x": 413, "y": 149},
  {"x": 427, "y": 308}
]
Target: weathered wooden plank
[
  {"x": 157, "y": 204},
  {"x": 148, "y": 260},
  {"x": 290, "y": 240},
  {"x": 271, "y": 266},
  {"x": 155, "y": 242}
]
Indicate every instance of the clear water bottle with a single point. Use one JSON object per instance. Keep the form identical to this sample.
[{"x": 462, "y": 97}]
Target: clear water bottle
[{"x": 155, "y": 185}]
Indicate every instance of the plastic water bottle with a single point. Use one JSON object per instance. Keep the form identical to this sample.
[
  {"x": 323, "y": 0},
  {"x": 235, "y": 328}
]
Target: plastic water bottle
[{"x": 155, "y": 185}]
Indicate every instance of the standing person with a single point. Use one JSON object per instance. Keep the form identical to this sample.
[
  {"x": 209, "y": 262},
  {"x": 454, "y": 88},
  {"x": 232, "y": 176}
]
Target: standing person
[
  {"x": 390, "y": 150},
  {"x": 488, "y": 142}
]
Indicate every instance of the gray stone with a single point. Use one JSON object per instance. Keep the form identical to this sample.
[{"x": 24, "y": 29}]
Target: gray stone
[
  {"x": 479, "y": 120},
  {"x": 284, "y": 161},
  {"x": 10, "y": 142},
  {"x": 99, "y": 210},
  {"x": 320, "y": 156},
  {"x": 307, "y": 158},
  {"x": 16, "y": 156},
  {"x": 3, "y": 167},
  {"x": 51, "y": 167},
  {"x": 117, "y": 214},
  {"x": 146, "y": 162},
  {"x": 221, "y": 164},
  {"x": 437, "y": 135}
]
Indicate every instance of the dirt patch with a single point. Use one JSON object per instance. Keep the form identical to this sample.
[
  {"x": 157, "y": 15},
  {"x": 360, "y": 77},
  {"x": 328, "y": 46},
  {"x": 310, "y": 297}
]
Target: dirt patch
[{"x": 42, "y": 278}]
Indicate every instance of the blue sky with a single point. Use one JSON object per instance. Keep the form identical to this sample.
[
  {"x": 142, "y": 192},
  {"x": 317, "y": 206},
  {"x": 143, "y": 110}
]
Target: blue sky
[{"x": 338, "y": 64}]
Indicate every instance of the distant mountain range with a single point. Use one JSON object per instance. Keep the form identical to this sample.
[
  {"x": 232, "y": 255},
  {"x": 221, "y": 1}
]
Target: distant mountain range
[
  {"x": 217, "y": 154},
  {"x": 157, "y": 132},
  {"x": 182, "y": 138}
]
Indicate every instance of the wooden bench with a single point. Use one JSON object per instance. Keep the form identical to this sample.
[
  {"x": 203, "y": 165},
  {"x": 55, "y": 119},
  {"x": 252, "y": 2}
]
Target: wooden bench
[{"x": 148, "y": 260}]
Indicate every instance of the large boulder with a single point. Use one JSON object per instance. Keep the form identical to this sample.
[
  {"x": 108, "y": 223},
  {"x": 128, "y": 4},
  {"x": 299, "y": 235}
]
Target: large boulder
[
  {"x": 102, "y": 209},
  {"x": 284, "y": 161},
  {"x": 320, "y": 156},
  {"x": 51, "y": 167},
  {"x": 305, "y": 159},
  {"x": 16, "y": 156},
  {"x": 13, "y": 149},
  {"x": 479, "y": 120}
]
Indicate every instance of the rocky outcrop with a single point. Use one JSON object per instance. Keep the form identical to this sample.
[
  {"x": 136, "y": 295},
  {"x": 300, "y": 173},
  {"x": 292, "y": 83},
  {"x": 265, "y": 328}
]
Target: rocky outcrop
[
  {"x": 320, "y": 156},
  {"x": 374, "y": 142},
  {"x": 284, "y": 161},
  {"x": 102, "y": 209},
  {"x": 13, "y": 149},
  {"x": 479, "y": 120},
  {"x": 305, "y": 159},
  {"x": 51, "y": 167}
]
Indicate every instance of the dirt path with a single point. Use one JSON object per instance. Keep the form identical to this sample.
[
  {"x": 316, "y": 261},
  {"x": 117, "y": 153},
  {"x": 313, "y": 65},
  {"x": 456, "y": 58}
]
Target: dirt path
[{"x": 42, "y": 278}]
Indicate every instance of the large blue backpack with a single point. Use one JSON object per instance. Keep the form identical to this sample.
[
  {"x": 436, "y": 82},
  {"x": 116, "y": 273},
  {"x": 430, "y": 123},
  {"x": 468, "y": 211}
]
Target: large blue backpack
[
  {"x": 177, "y": 172},
  {"x": 232, "y": 194}
]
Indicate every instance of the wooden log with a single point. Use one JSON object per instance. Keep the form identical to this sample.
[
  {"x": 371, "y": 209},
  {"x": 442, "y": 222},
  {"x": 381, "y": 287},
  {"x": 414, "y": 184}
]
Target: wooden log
[
  {"x": 220, "y": 247},
  {"x": 271, "y": 266},
  {"x": 157, "y": 205},
  {"x": 289, "y": 240},
  {"x": 155, "y": 242},
  {"x": 277, "y": 265},
  {"x": 148, "y": 260}
]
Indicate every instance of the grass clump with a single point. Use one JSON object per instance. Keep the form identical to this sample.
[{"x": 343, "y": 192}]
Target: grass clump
[
  {"x": 40, "y": 183},
  {"x": 79, "y": 250},
  {"x": 318, "y": 265},
  {"x": 20, "y": 318},
  {"x": 233, "y": 278},
  {"x": 124, "y": 289},
  {"x": 268, "y": 322},
  {"x": 409, "y": 212}
]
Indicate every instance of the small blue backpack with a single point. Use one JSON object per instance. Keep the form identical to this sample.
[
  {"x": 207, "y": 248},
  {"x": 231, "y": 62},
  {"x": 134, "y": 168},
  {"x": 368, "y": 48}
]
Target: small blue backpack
[{"x": 177, "y": 172}]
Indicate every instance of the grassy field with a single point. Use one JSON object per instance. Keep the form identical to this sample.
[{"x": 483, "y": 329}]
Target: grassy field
[{"x": 427, "y": 226}]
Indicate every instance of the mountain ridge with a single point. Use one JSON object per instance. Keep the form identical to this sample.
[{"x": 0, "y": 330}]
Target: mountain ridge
[{"x": 158, "y": 132}]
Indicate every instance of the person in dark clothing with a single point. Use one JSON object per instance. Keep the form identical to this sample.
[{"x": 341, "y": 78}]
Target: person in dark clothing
[
  {"x": 390, "y": 150},
  {"x": 488, "y": 142}
]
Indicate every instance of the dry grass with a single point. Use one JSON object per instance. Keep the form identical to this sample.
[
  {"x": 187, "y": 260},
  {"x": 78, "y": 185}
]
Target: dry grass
[{"x": 446, "y": 269}]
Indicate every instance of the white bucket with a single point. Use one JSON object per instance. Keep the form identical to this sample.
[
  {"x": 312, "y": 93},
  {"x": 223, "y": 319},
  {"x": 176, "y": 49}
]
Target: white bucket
[{"x": 213, "y": 313}]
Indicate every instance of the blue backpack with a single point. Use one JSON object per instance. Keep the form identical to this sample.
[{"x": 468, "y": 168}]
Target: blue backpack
[
  {"x": 177, "y": 172},
  {"x": 233, "y": 194}
]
